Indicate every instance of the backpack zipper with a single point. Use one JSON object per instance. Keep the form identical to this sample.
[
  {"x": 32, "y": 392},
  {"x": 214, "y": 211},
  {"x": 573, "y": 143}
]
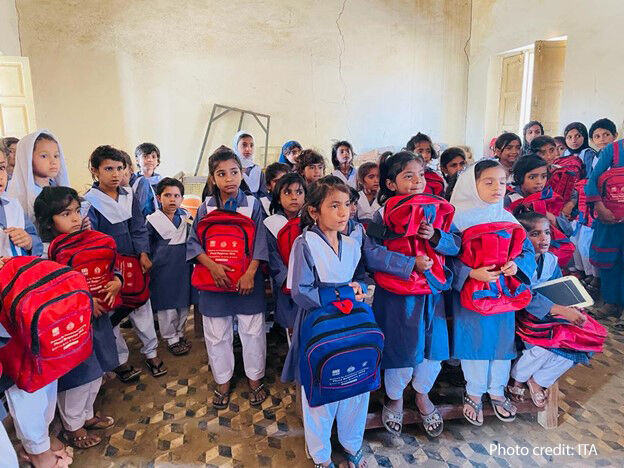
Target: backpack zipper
[
  {"x": 19, "y": 271},
  {"x": 322, "y": 318},
  {"x": 318, "y": 338},
  {"x": 245, "y": 236}
]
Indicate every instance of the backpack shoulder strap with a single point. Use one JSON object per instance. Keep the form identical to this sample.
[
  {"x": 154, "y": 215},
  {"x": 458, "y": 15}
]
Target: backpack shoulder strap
[{"x": 616, "y": 153}]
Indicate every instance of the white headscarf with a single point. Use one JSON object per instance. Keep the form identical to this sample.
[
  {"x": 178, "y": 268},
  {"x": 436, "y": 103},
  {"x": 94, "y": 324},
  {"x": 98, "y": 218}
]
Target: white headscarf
[
  {"x": 22, "y": 186},
  {"x": 470, "y": 210},
  {"x": 245, "y": 162}
]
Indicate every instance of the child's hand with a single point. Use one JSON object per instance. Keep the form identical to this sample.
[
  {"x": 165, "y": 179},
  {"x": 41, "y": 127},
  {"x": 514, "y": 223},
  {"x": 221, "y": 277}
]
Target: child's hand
[
  {"x": 423, "y": 263},
  {"x": 19, "y": 237},
  {"x": 86, "y": 223},
  {"x": 605, "y": 215},
  {"x": 245, "y": 284},
  {"x": 425, "y": 231},
  {"x": 221, "y": 279},
  {"x": 510, "y": 268},
  {"x": 3, "y": 260},
  {"x": 571, "y": 314},
  {"x": 112, "y": 288},
  {"x": 567, "y": 209},
  {"x": 552, "y": 219},
  {"x": 357, "y": 291},
  {"x": 487, "y": 274},
  {"x": 146, "y": 263},
  {"x": 99, "y": 308}
]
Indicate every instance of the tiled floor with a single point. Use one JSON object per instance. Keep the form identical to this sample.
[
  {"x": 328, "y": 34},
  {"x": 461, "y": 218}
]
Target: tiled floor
[{"x": 168, "y": 422}]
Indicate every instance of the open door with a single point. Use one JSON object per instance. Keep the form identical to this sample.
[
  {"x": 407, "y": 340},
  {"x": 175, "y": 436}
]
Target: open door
[
  {"x": 510, "y": 93},
  {"x": 17, "y": 107},
  {"x": 548, "y": 84}
]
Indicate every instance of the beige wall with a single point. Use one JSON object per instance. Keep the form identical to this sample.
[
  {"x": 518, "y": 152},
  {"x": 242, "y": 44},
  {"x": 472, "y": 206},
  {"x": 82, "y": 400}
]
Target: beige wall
[
  {"x": 9, "y": 36},
  {"x": 594, "y": 69},
  {"x": 122, "y": 72}
]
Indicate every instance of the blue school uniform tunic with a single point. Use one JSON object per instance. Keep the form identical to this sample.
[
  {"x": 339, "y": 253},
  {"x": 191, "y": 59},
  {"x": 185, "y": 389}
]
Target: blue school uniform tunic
[
  {"x": 37, "y": 245},
  {"x": 415, "y": 326},
  {"x": 144, "y": 194},
  {"x": 227, "y": 304},
  {"x": 485, "y": 337},
  {"x": 170, "y": 276},
  {"x": 152, "y": 180},
  {"x": 254, "y": 177},
  {"x": 562, "y": 222}
]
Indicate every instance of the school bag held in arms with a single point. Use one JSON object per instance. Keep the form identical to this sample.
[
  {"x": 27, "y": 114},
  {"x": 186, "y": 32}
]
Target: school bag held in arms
[
  {"x": 611, "y": 185},
  {"x": 285, "y": 240},
  {"x": 402, "y": 217},
  {"x": 227, "y": 237},
  {"x": 434, "y": 183},
  {"x": 135, "y": 288},
  {"x": 91, "y": 253},
  {"x": 585, "y": 215},
  {"x": 341, "y": 348},
  {"x": 47, "y": 309},
  {"x": 552, "y": 332},
  {"x": 493, "y": 244},
  {"x": 564, "y": 178}
]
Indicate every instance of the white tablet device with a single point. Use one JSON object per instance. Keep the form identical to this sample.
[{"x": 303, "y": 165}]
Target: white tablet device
[{"x": 565, "y": 291}]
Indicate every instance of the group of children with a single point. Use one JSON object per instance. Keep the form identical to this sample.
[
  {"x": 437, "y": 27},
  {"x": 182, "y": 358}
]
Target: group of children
[{"x": 316, "y": 236}]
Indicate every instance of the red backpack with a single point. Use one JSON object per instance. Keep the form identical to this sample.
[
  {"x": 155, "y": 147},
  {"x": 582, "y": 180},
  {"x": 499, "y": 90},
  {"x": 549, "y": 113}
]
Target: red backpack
[
  {"x": 91, "y": 253},
  {"x": 135, "y": 289},
  {"x": 493, "y": 244},
  {"x": 47, "y": 309},
  {"x": 611, "y": 185},
  {"x": 285, "y": 240},
  {"x": 434, "y": 183},
  {"x": 544, "y": 202},
  {"x": 227, "y": 237},
  {"x": 558, "y": 333},
  {"x": 564, "y": 178},
  {"x": 402, "y": 217},
  {"x": 585, "y": 212}
]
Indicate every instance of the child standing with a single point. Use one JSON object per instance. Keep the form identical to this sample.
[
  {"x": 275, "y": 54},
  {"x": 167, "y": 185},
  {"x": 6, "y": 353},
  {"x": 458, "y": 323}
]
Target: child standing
[
  {"x": 507, "y": 150},
  {"x": 545, "y": 147},
  {"x": 244, "y": 148},
  {"x": 247, "y": 302},
  {"x": 485, "y": 343},
  {"x": 342, "y": 160},
  {"x": 311, "y": 166},
  {"x": 452, "y": 161},
  {"x": 531, "y": 130},
  {"x": 422, "y": 145},
  {"x": 290, "y": 153},
  {"x": 39, "y": 163},
  {"x": 368, "y": 179},
  {"x": 57, "y": 211},
  {"x": 414, "y": 325},
  {"x": 539, "y": 367},
  {"x": 577, "y": 144},
  {"x": 272, "y": 173},
  {"x": 148, "y": 159},
  {"x": 140, "y": 186},
  {"x": 114, "y": 211},
  {"x": 602, "y": 133},
  {"x": 170, "y": 281}
]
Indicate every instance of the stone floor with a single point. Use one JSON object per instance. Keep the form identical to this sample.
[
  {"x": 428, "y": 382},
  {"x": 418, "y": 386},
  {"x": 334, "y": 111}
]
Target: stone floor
[{"x": 168, "y": 422}]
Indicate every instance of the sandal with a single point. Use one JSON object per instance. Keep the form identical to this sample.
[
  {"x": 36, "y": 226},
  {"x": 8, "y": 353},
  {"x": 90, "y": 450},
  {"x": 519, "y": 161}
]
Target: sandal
[
  {"x": 433, "y": 423},
  {"x": 220, "y": 400},
  {"x": 539, "y": 397},
  {"x": 477, "y": 407},
  {"x": 320, "y": 465},
  {"x": 127, "y": 374},
  {"x": 517, "y": 392},
  {"x": 179, "y": 348},
  {"x": 81, "y": 442},
  {"x": 156, "y": 369},
  {"x": 100, "y": 423},
  {"x": 255, "y": 391},
  {"x": 391, "y": 416},
  {"x": 355, "y": 459},
  {"x": 505, "y": 405}
]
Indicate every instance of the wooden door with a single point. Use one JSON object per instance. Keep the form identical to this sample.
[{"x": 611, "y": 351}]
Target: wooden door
[
  {"x": 17, "y": 107},
  {"x": 510, "y": 93},
  {"x": 548, "y": 71}
]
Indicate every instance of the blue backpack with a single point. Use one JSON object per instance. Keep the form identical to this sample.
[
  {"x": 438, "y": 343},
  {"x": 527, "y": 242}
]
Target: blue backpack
[{"x": 341, "y": 347}]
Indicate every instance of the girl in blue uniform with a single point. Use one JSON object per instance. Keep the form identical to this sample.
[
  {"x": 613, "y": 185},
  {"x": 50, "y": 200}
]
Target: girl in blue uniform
[
  {"x": 248, "y": 303},
  {"x": 170, "y": 276},
  {"x": 272, "y": 173},
  {"x": 368, "y": 180},
  {"x": 244, "y": 148},
  {"x": 57, "y": 211},
  {"x": 415, "y": 326},
  {"x": 484, "y": 343},
  {"x": 342, "y": 160},
  {"x": 114, "y": 211},
  {"x": 288, "y": 198},
  {"x": 290, "y": 153}
]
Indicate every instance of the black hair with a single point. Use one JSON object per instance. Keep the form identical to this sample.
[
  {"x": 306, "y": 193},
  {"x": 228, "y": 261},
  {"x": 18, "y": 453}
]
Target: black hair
[
  {"x": 285, "y": 182},
  {"x": 582, "y": 129},
  {"x": 483, "y": 165},
  {"x": 605, "y": 123},
  {"x": 526, "y": 128},
  {"x": 307, "y": 158},
  {"x": 128, "y": 160},
  {"x": 51, "y": 202},
  {"x": 451, "y": 153},
  {"x": 221, "y": 154},
  {"x": 451, "y": 182},
  {"x": 334, "y": 152},
  {"x": 272, "y": 170},
  {"x": 354, "y": 195},
  {"x": 419, "y": 138},
  {"x": 364, "y": 169},
  {"x": 147, "y": 148},
  {"x": 542, "y": 140},
  {"x": 505, "y": 139},
  {"x": 318, "y": 191},
  {"x": 105, "y": 152},
  {"x": 44, "y": 136},
  {"x": 559, "y": 140},
  {"x": 528, "y": 219},
  {"x": 390, "y": 166},
  {"x": 169, "y": 182},
  {"x": 525, "y": 165},
  {"x": 6, "y": 142}
]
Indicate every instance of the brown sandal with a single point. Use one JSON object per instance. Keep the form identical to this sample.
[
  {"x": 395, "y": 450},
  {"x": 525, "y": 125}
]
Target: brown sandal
[
  {"x": 81, "y": 442},
  {"x": 101, "y": 422},
  {"x": 517, "y": 392},
  {"x": 538, "y": 397}
]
